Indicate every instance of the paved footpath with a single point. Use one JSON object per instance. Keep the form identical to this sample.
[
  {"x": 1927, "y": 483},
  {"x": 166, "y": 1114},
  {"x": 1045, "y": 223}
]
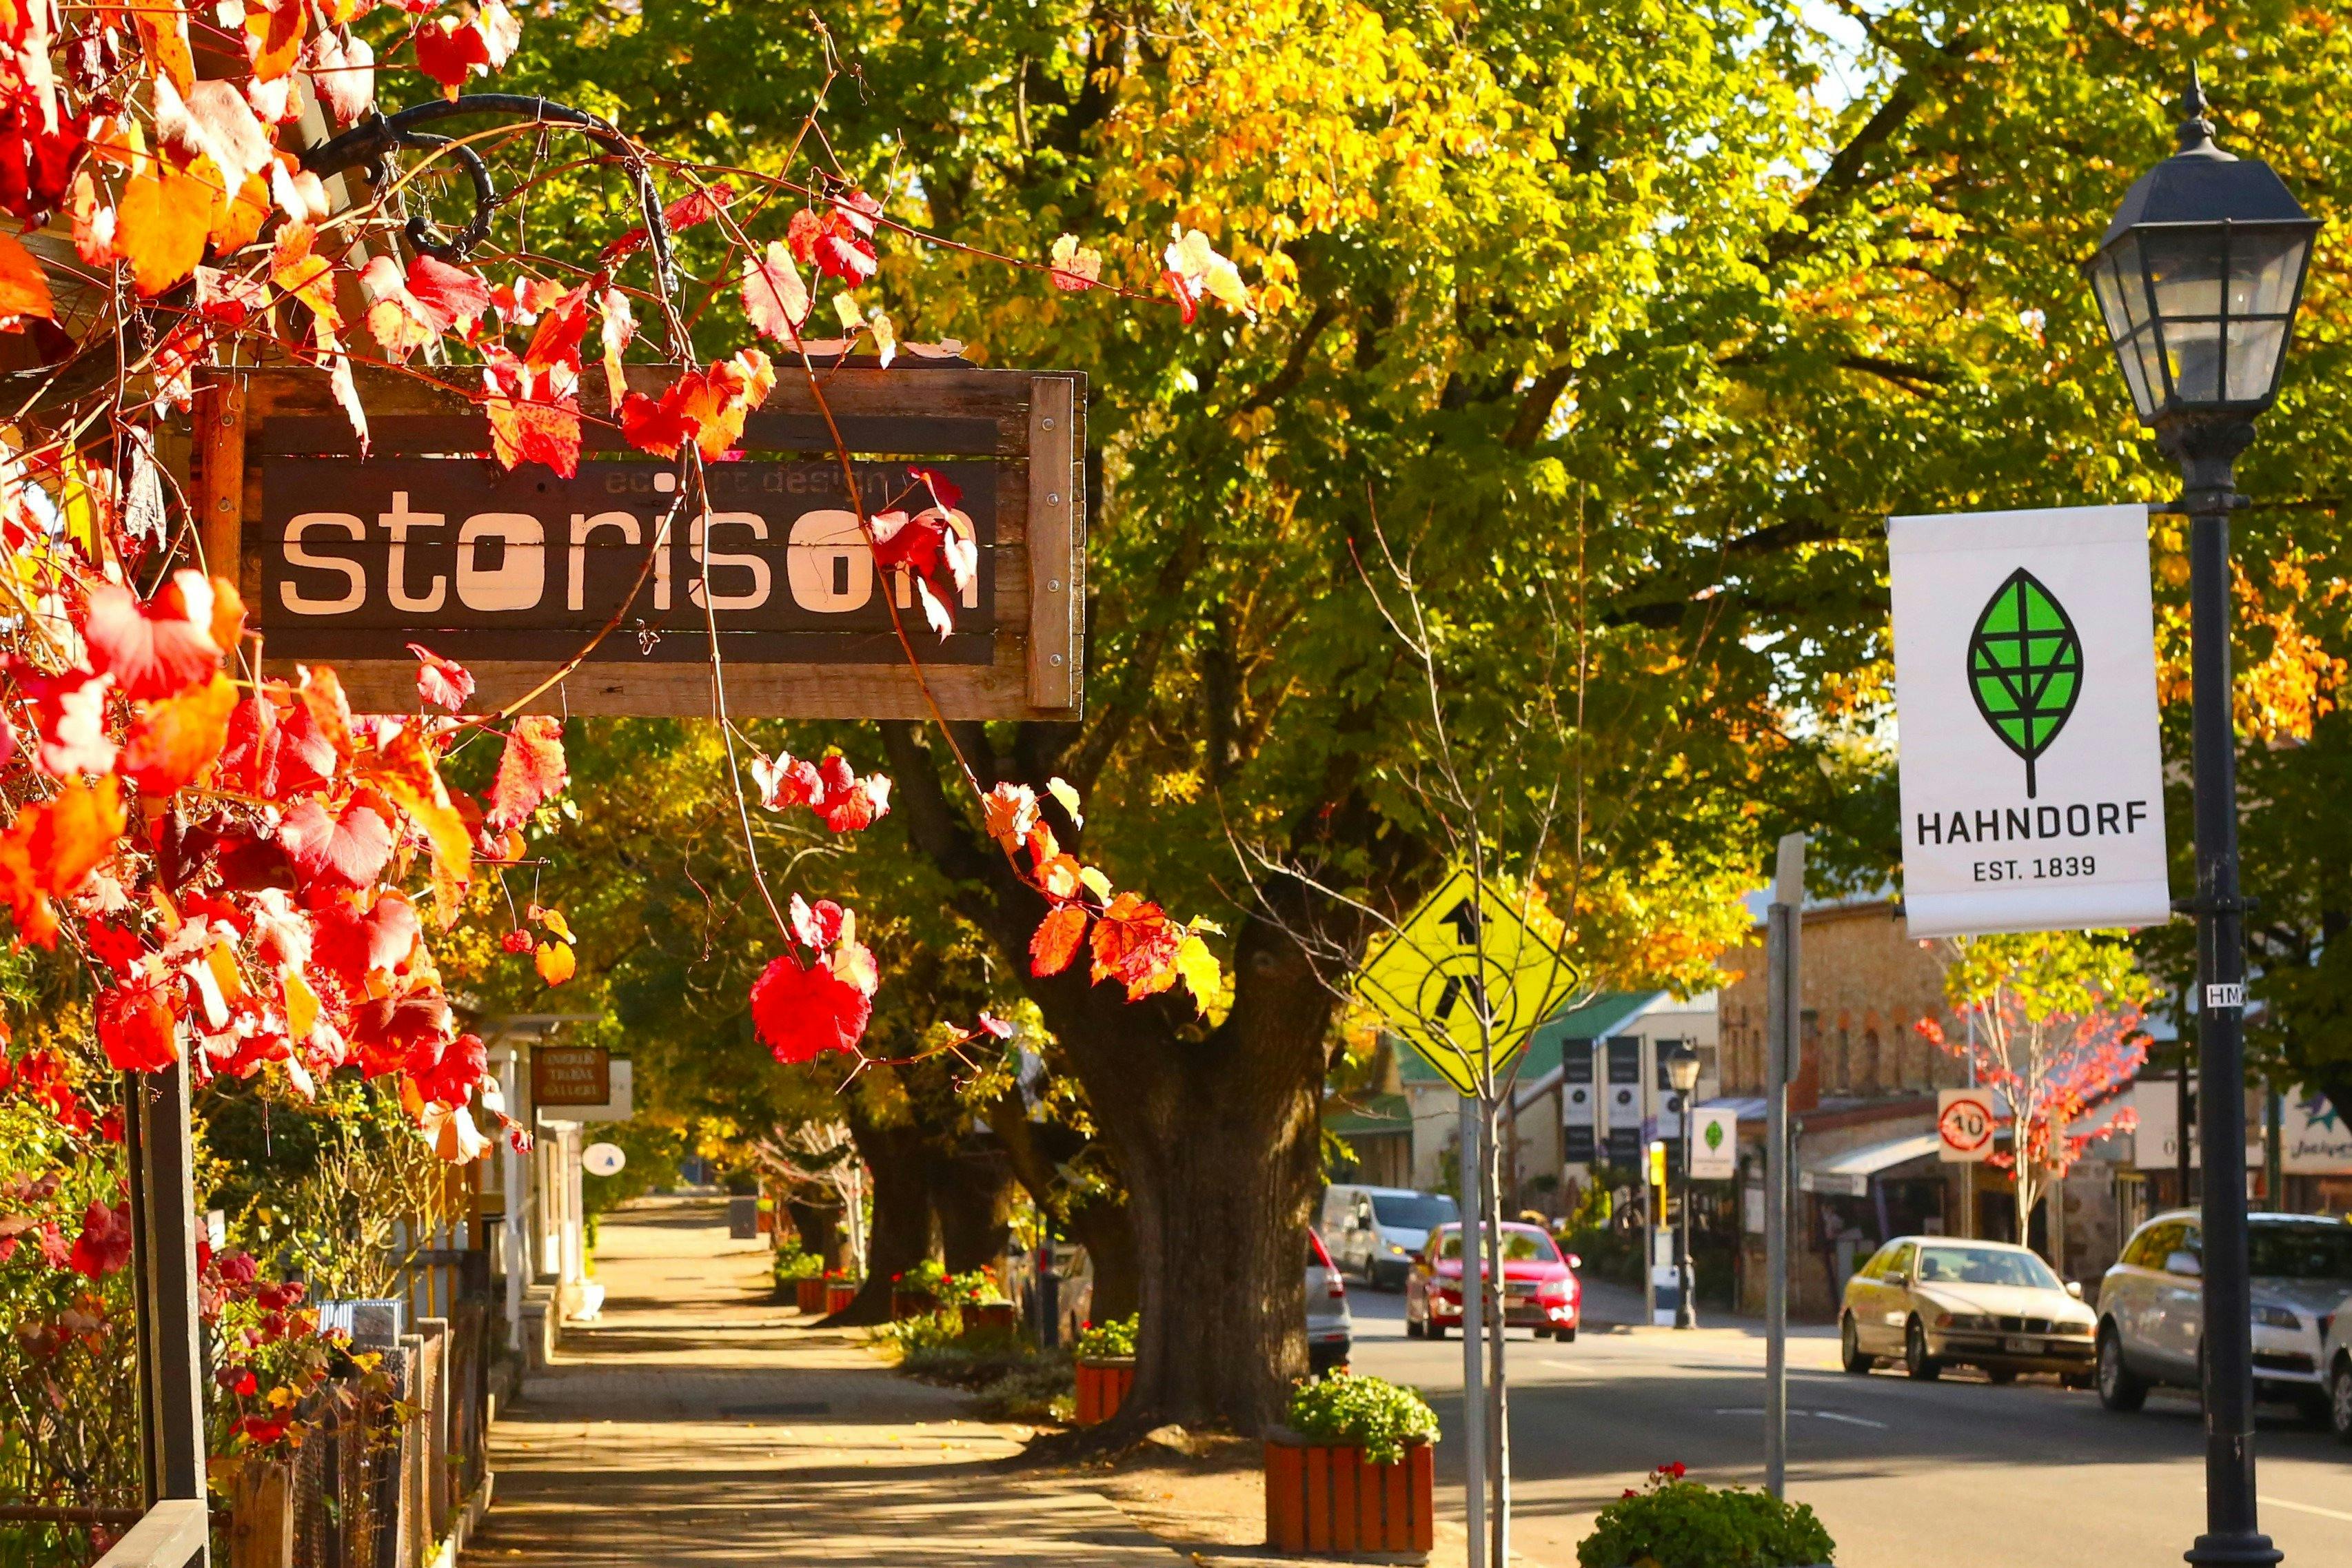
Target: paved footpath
[{"x": 692, "y": 1426}]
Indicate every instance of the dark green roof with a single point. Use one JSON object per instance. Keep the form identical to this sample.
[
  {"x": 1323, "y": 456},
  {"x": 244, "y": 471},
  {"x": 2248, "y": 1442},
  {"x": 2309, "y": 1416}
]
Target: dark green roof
[{"x": 1604, "y": 1015}]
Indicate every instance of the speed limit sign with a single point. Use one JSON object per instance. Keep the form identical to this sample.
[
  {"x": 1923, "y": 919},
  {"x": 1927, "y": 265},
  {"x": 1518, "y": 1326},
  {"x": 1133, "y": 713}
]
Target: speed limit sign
[{"x": 1964, "y": 1124}]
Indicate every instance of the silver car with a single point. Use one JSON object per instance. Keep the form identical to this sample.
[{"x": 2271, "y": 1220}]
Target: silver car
[
  {"x": 1373, "y": 1232},
  {"x": 2152, "y": 1307},
  {"x": 1331, "y": 1327},
  {"x": 2336, "y": 1358},
  {"x": 1938, "y": 1301}
]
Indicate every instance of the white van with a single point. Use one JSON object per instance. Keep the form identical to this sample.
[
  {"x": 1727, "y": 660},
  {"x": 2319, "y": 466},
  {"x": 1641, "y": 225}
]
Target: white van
[{"x": 1372, "y": 1232}]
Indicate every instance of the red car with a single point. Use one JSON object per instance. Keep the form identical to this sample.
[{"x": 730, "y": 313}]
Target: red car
[{"x": 1540, "y": 1288}]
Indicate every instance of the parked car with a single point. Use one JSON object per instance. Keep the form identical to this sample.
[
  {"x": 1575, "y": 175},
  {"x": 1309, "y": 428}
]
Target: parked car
[
  {"x": 1373, "y": 1231},
  {"x": 1330, "y": 1328},
  {"x": 2152, "y": 1307},
  {"x": 1933, "y": 1302},
  {"x": 2336, "y": 1358},
  {"x": 1539, "y": 1285}
]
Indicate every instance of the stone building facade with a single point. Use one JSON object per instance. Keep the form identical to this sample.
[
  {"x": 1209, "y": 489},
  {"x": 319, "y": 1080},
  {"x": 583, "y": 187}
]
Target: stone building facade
[{"x": 1863, "y": 1113}]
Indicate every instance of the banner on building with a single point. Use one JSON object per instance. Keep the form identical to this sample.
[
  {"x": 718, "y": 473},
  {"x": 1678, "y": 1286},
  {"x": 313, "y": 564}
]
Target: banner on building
[{"x": 2025, "y": 695}]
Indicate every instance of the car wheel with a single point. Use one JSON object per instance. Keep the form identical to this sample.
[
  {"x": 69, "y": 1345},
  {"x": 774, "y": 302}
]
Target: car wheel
[
  {"x": 2339, "y": 1400},
  {"x": 1568, "y": 1336},
  {"x": 2001, "y": 1374},
  {"x": 1916, "y": 1359},
  {"x": 1850, "y": 1348},
  {"x": 2119, "y": 1387},
  {"x": 1437, "y": 1328}
]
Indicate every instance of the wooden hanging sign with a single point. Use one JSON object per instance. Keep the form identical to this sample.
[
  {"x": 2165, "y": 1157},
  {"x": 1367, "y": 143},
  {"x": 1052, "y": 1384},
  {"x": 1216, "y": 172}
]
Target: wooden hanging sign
[{"x": 346, "y": 560}]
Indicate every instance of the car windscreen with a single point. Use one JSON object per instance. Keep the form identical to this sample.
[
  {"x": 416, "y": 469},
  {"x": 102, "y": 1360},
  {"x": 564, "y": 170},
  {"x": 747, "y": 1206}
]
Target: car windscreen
[
  {"x": 1984, "y": 1265},
  {"x": 1414, "y": 1211},
  {"x": 1519, "y": 1247},
  {"x": 2300, "y": 1251}
]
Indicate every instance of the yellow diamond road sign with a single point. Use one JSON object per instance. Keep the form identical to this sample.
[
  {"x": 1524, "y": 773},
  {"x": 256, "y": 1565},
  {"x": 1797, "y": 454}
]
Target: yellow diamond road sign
[{"x": 1467, "y": 980}]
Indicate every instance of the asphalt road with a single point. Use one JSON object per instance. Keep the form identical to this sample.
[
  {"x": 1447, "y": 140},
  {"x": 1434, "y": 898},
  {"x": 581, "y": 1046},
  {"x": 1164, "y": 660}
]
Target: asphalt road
[{"x": 1952, "y": 1474}]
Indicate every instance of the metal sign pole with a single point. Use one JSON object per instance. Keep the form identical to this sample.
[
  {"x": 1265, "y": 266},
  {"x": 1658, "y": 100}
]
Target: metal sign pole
[
  {"x": 1783, "y": 1010},
  {"x": 1473, "y": 1295}
]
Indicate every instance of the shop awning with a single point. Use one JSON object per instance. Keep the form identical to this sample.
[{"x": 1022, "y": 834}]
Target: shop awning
[{"x": 1848, "y": 1174}]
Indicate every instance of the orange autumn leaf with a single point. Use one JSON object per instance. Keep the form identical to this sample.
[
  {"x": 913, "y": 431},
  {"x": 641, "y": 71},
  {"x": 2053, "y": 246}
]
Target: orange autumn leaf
[
  {"x": 228, "y": 615},
  {"x": 24, "y": 289},
  {"x": 175, "y": 739},
  {"x": 161, "y": 225},
  {"x": 274, "y": 39},
  {"x": 241, "y": 219},
  {"x": 555, "y": 962},
  {"x": 1055, "y": 942},
  {"x": 301, "y": 272},
  {"x": 1136, "y": 943},
  {"x": 164, "y": 31},
  {"x": 52, "y": 847}
]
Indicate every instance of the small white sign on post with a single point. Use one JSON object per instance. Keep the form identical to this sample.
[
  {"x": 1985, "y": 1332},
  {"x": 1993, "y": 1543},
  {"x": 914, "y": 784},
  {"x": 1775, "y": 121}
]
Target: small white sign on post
[
  {"x": 1715, "y": 1144},
  {"x": 2033, "y": 774},
  {"x": 1964, "y": 1126}
]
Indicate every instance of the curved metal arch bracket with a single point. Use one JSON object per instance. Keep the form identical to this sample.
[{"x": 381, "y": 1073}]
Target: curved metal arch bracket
[{"x": 367, "y": 145}]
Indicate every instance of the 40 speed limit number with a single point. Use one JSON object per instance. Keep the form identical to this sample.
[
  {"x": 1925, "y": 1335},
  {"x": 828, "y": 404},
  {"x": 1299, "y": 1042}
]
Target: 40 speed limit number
[{"x": 1964, "y": 1124}]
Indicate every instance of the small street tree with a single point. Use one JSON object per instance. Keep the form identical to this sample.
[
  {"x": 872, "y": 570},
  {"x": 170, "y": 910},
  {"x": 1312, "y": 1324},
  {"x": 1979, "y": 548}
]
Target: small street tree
[{"x": 2054, "y": 1028}]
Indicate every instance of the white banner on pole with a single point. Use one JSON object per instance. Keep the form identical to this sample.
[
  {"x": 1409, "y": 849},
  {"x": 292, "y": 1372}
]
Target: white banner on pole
[
  {"x": 1715, "y": 1144},
  {"x": 2033, "y": 776}
]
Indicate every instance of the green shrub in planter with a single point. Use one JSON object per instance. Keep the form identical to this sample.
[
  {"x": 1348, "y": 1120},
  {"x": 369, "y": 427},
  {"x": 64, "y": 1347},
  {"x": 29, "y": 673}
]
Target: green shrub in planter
[
  {"x": 1368, "y": 1413},
  {"x": 791, "y": 1263},
  {"x": 1676, "y": 1523},
  {"x": 1108, "y": 1341}
]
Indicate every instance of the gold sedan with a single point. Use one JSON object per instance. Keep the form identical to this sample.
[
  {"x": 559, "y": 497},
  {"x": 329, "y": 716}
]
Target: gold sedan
[{"x": 1932, "y": 1301}]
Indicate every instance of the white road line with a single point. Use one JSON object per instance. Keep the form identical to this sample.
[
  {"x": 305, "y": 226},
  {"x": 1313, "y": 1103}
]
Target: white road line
[
  {"x": 1817, "y": 1415},
  {"x": 1849, "y": 1420},
  {"x": 2307, "y": 1508}
]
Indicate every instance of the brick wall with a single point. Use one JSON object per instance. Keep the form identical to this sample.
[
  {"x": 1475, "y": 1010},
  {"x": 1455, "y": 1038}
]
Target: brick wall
[{"x": 1866, "y": 985}]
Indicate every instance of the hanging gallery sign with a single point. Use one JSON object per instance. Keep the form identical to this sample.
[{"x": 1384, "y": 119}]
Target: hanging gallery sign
[
  {"x": 349, "y": 559},
  {"x": 2032, "y": 770}
]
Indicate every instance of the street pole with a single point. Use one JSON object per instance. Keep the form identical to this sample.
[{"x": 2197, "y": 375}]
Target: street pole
[
  {"x": 1493, "y": 1298},
  {"x": 2207, "y": 449},
  {"x": 1685, "y": 1310},
  {"x": 1473, "y": 1298},
  {"x": 1783, "y": 1008}
]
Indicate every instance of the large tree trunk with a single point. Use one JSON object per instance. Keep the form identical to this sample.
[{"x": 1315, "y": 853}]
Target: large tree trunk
[
  {"x": 903, "y": 1231},
  {"x": 1215, "y": 1130},
  {"x": 1098, "y": 1223},
  {"x": 971, "y": 1193},
  {"x": 819, "y": 1228}
]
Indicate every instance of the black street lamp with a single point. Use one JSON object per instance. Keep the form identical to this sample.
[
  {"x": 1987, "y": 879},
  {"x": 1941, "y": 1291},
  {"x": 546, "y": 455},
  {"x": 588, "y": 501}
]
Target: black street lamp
[
  {"x": 1682, "y": 1071},
  {"x": 2198, "y": 278}
]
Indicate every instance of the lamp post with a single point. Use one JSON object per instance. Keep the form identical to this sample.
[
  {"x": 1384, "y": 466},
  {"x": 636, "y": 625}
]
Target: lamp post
[
  {"x": 2198, "y": 278},
  {"x": 1682, "y": 1071}
]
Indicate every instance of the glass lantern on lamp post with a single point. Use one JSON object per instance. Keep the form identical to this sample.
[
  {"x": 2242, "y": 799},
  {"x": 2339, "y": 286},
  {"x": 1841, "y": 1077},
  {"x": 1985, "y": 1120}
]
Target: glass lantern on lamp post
[
  {"x": 2199, "y": 278},
  {"x": 1682, "y": 1071}
]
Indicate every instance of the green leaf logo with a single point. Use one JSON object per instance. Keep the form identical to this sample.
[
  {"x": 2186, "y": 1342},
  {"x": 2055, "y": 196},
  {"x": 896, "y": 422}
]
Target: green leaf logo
[
  {"x": 1714, "y": 1137},
  {"x": 2025, "y": 667}
]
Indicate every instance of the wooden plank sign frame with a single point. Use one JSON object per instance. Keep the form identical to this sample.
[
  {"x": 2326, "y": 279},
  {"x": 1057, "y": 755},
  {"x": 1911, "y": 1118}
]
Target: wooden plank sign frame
[{"x": 343, "y": 559}]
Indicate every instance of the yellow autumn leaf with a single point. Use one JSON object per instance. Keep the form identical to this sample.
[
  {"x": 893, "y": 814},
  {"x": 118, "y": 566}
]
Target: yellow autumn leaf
[
  {"x": 301, "y": 1007},
  {"x": 1197, "y": 968}
]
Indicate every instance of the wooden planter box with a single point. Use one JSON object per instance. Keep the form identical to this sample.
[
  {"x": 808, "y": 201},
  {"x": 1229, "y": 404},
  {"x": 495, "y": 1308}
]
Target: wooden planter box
[
  {"x": 911, "y": 1305},
  {"x": 809, "y": 1294},
  {"x": 1102, "y": 1386},
  {"x": 838, "y": 1294},
  {"x": 1328, "y": 1500},
  {"x": 997, "y": 1317}
]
